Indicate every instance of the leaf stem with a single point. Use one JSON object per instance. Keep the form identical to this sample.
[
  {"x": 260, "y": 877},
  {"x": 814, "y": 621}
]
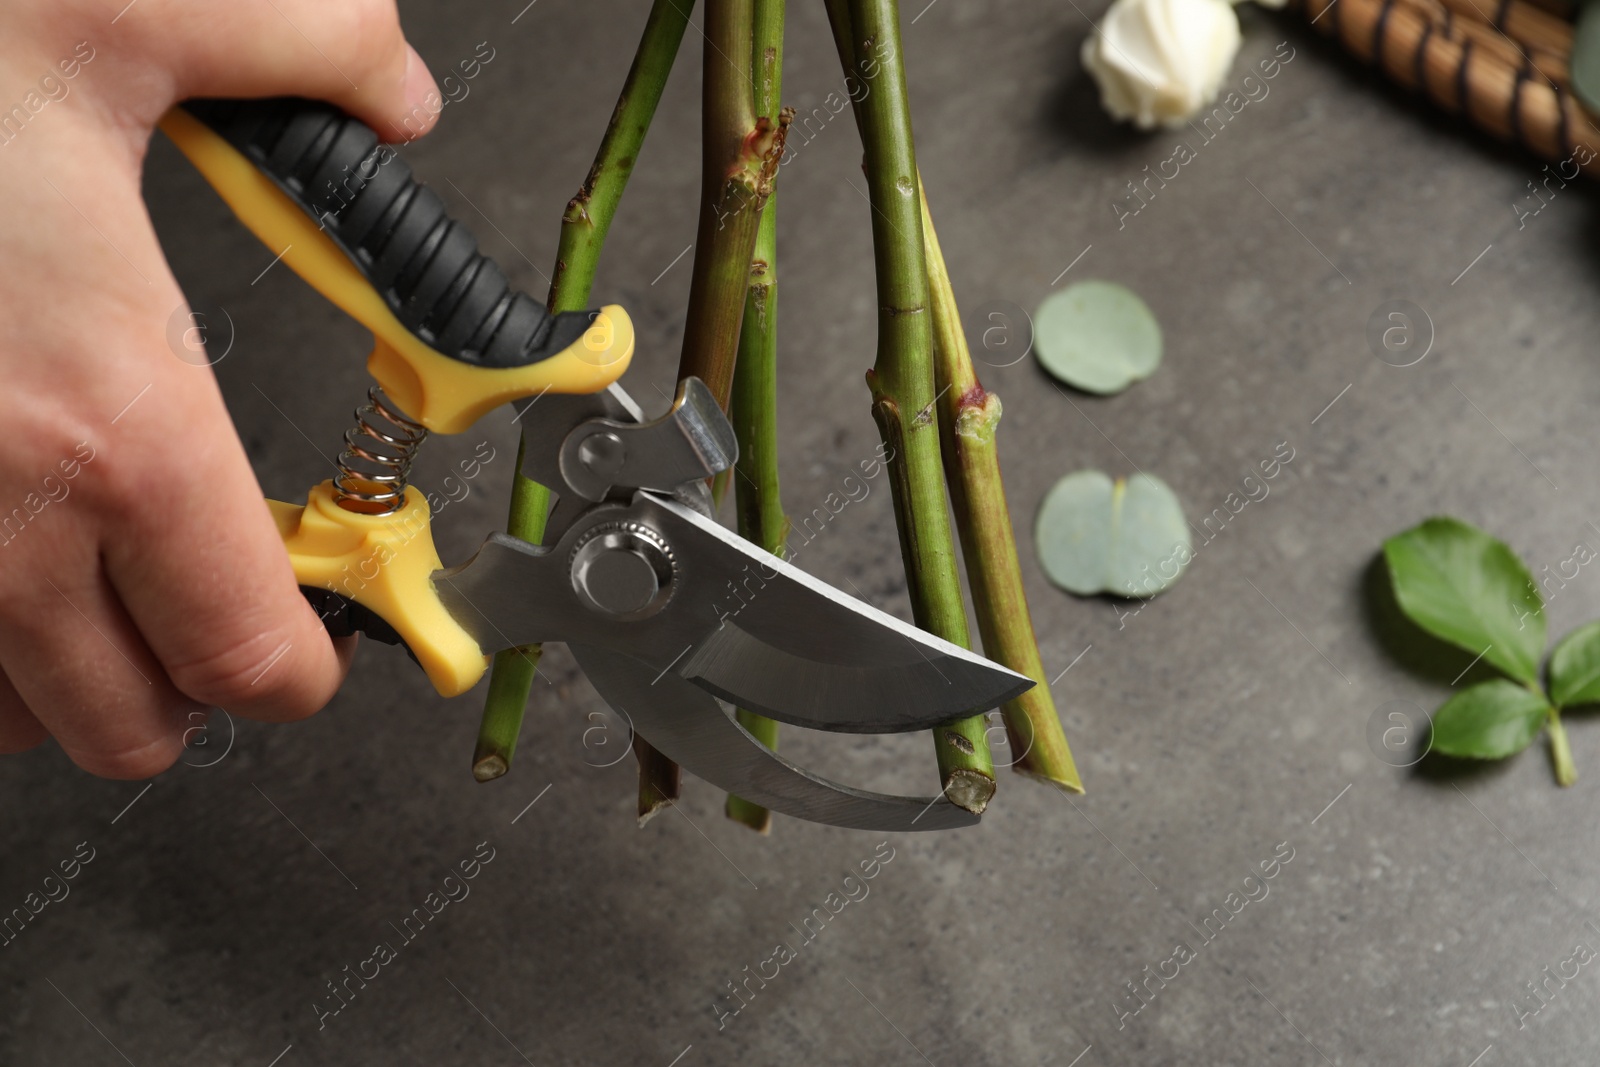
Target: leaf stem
[
  {"x": 754, "y": 405},
  {"x": 583, "y": 233},
  {"x": 1560, "y": 751},
  {"x": 902, "y": 378},
  {"x": 969, "y": 417}
]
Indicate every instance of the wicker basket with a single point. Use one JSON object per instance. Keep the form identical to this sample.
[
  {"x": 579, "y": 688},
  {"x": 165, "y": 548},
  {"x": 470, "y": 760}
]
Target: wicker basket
[{"x": 1501, "y": 64}]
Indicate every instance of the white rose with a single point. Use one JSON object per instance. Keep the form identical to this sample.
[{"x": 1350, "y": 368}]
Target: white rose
[{"x": 1161, "y": 61}]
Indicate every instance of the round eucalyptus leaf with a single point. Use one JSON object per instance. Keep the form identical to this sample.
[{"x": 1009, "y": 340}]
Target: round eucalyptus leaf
[
  {"x": 1095, "y": 535},
  {"x": 1097, "y": 336}
]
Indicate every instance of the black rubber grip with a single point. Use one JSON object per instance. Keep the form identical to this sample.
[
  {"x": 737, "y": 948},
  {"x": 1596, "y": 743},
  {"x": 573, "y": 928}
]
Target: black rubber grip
[
  {"x": 343, "y": 617},
  {"x": 426, "y": 265}
]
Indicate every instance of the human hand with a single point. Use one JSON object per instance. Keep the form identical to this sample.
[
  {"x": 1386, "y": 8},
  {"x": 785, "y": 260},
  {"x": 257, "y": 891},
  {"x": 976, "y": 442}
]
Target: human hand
[{"x": 126, "y": 498}]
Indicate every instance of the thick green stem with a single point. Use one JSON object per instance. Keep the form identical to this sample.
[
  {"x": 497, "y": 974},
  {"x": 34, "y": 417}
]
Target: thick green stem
[
  {"x": 902, "y": 380},
  {"x": 754, "y": 407},
  {"x": 968, "y": 419},
  {"x": 583, "y": 233},
  {"x": 740, "y": 154},
  {"x": 1560, "y": 751},
  {"x": 844, "y": 44},
  {"x": 755, "y": 421}
]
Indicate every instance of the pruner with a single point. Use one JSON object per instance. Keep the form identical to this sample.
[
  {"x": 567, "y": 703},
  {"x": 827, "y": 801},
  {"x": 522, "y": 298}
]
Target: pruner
[{"x": 668, "y": 613}]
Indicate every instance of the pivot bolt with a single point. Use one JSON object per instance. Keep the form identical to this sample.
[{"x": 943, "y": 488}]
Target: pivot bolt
[{"x": 623, "y": 570}]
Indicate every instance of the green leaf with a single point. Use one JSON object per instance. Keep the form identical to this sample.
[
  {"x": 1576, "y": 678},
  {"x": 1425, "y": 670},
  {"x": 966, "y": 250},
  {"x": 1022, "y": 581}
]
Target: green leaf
[
  {"x": 1463, "y": 586},
  {"x": 1097, "y": 336},
  {"x": 1490, "y": 720},
  {"x": 1575, "y": 667},
  {"x": 1098, "y": 536}
]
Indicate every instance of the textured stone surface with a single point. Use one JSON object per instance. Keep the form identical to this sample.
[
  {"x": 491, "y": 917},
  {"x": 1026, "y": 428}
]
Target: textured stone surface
[{"x": 1218, "y": 722}]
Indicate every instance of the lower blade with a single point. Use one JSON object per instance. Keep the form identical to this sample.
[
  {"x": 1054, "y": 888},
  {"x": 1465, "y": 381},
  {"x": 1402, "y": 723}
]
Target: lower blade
[{"x": 688, "y": 726}]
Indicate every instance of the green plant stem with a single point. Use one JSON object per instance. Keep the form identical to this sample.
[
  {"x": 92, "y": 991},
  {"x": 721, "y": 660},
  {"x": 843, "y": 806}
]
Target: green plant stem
[
  {"x": 583, "y": 233},
  {"x": 739, "y": 159},
  {"x": 969, "y": 417},
  {"x": 589, "y": 213},
  {"x": 731, "y": 199},
  {"x": 1560, "y": 751},
  {"x": 902, "y": 381},
  {"x": 754, "y": 406},
  {"x": 844, "y": 44},
  {"x": 737, "y": 808},
  {"x": 511, "y": 676},
  {"x": 766, "y": 58}
]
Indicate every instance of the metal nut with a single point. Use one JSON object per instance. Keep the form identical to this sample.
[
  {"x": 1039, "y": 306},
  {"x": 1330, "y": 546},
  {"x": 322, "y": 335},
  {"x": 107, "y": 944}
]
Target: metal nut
[{"x": 623, "y": 570}]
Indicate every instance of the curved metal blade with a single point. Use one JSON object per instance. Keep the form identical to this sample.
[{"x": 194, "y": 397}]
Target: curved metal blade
[
  {"x": 794, "y": 648},
  {"x": 740, "y": 622},
  {"x": 690, "y": 727}
]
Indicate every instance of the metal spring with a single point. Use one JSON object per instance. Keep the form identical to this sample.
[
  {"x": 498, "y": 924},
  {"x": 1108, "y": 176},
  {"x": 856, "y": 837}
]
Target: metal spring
[{"x": 377, "y": 457}]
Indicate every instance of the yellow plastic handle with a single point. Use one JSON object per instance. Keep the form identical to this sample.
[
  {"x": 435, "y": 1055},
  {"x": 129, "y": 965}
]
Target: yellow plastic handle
[
  {"x": 444, "y": 394},
  {"x": 385, "y": 563}
]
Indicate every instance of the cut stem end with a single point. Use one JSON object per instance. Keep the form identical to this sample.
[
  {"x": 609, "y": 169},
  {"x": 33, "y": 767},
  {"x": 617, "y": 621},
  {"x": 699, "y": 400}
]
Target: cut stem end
[
  {"x": 1070, "y": 785},
  {"x": 488, "y": 768},
  {"x": 970, "y": 790},
  {"x": 660, "y": 780}
]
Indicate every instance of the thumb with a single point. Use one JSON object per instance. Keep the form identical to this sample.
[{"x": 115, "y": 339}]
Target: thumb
[{"x": 352, "y": 53}]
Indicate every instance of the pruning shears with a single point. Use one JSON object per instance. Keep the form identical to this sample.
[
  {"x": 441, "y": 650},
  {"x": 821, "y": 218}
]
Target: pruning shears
[{"x": 667, "y": 612}]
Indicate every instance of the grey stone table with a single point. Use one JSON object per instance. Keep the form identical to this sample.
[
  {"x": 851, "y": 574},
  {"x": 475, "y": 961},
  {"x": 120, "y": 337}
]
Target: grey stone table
[{"x": 1221, "y": 727}]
